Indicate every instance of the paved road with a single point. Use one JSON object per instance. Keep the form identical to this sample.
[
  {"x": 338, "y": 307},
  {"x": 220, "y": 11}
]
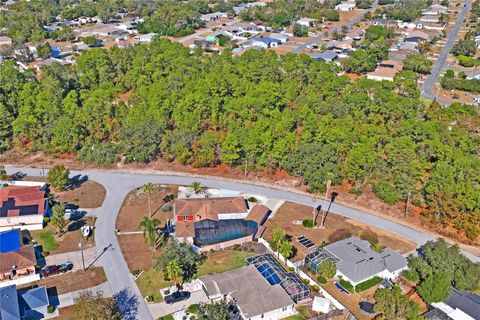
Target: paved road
[
  {"x": 428, "y": 85},
  {"x": 119, "y": 183},
  {"x": 348, "y": 24}
]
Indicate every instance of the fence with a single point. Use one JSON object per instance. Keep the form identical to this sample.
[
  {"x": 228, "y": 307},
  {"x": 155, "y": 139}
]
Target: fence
[{"x": 302, "y": 274}]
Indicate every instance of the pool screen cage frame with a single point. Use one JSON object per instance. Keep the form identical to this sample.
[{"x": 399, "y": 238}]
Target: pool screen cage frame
[
  {"x": 290, "y": 282},
  {"x": 316, "y": 256}
]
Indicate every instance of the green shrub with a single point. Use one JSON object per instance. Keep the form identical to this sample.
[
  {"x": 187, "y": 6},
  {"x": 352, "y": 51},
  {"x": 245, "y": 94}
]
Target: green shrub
[
  {"x": 346, "y": 285},
  {"x": 411, "y": 275},
  {"x": 252, "y": 199},
  {"x": 306, "y": 281},
  {"x": 466, "y": 61},
  {"x": 46, "y": 220},
  {"x": 315, "y": 288},
  {"x": 291, "y": 269},
  {"x": 50, "y": 309},
  {"x": 149, "y": 298},
  {"x": 307, "y": 223},
  {"x": 321, "y": 279},
  {"x": 193, "y": 308},
  {"x": 386, "y": 192},
  {"x": 45, "y": 253},
  {"x": 365, "y": 285}
]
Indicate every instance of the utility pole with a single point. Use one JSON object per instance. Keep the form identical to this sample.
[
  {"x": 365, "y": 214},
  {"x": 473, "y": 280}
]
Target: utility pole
[
  {"x": 314, "y": 211},
  {"x": 328, "y": 185}
]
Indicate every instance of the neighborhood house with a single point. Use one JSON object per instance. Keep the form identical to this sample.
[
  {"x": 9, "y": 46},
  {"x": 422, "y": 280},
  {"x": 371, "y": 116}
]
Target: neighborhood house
[
  {"x": 356, "y": 261},
  {"x": 23, "y": 207},
  {"x": 29, "y": 304},
  {"x": 217, "y": 223}
]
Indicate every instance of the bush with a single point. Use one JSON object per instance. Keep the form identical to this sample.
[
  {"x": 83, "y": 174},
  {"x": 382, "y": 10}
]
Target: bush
[
  {"x": 306, "y": 281},
  {"x": 315, "y": 288},
  {"x": 252, "y": 199},
  {"x": 365, "y": 285},
  {"x": 307, "y": 223},
  {"x": 46, "y": 220},
  {"x": 411, "y": 275},
  {"x": 327, "y": 269},
  {"x": 103, "y": 153},
  {"x": 386, "y": 192},
  {"x": 50, "y": 309},
  {"x": 346, "y": 285},
  {"x": 45, "y": 253},
  {"x": 370, "y": 236},
  {"x": 57, "y": 177},
  {"x": 291, "y": 269},
  {"x": 321, "y": 279},
  {"x": 466, "y": 61},
  {"x": 339, "y": 234},
  {"x": 193, "y": 308},
  {"x": 149, "y": 298}
]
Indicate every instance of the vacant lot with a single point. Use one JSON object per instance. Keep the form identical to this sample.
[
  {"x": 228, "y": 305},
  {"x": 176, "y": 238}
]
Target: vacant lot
[
  {"x": 138, "y": 254},
  {"x": 290, "y": 214},
  {"x": 135, "y": 207},
  {"x": 72, "y": 281},
  {"x": 68, "y": 241},
  {"x": 89, "y": 194}
]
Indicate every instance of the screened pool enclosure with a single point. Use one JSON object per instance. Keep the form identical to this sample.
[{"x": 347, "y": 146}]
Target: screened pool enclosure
[
  {"x": 208, "y": 232},
  {"x": 315, "y": 257},
  {"x": 274, "y": 273}
]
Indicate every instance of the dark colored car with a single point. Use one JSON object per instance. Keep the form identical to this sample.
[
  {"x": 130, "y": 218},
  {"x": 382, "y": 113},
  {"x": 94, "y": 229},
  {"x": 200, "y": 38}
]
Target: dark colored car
[
  {"x": 56, "y": 269},
  {"x": 177, "y": 297}
]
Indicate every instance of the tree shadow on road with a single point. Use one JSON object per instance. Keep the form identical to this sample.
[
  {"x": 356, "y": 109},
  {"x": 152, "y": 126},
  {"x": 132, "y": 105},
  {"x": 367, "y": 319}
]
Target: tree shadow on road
[{"x": 127, "y": 304}]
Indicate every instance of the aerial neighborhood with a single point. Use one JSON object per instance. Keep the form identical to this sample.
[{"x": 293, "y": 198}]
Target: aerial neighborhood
[{"x": 240, "y": 159}]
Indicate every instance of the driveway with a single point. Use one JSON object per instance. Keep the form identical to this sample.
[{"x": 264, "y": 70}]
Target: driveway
[
  {"x": 75, "y": 257},
  {"x": 162, "y": 309},
  {"x": 119, "y": 182}
]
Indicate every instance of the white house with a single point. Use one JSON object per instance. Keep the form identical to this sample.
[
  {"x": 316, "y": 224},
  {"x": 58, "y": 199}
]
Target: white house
[
  {"x": 435, "y": 9},
  {"x": 264, "y": 43},
  {"x": 279, "y": 36},
  {"x": 213, "y": 16},
  {"x": 346, "y": 6},
  {"x": 306, "y": 22},
  {"x": 145, "y": 37}
]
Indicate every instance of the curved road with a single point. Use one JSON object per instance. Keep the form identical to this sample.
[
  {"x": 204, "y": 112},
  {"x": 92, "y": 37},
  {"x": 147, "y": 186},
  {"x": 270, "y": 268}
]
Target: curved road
[
  {"x": 427, "y": 88},
  {"x": 119, "y": 183}
]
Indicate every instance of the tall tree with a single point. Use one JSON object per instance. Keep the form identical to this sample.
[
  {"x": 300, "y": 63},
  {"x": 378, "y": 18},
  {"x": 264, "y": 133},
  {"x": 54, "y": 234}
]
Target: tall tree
[
  {"x": 57, "y": 177},
  {"x": 58, "y": 217},
  {"x": 285, "y": 248},
  {"x": 391, "y": 304},
  {"x": 150, "y": 233},
  {"x": 93, "y": 305},
  {"x": 148, "y": 189},
  {"x": 174, "y": 272}
]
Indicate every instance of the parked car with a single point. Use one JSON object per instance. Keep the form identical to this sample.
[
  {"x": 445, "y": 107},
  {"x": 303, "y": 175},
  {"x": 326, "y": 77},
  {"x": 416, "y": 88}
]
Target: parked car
[
  {"x": 56, "y": 269},
  {"x": 177, "y": 297}
]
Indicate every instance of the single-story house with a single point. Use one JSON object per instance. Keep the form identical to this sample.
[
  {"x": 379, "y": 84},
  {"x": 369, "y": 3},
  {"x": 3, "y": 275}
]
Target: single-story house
[
  {"x": 213, "y": 16},
  {"x": 106, "y": 30},
  {"x": 23, "y": 207},
  {"x": 217, "y": 223},
  {"x": 145, "y": 37},
  {"x": 435, "y": 9},
  {"x": 386, "y": 70},
  {"x": 460, "y": 305},
  {"x": 346, "y": 6},
  {"x": 17, "y": 261},
  {"x": 429, "y": 19},
  {"x": 355, "y": 34},
  {"x": 5, "y": 41},
  {"x": 326, "y": 56},
  {"x": 356, "y": 262},
  {"x": 279, "y": 36},
  {"x": 266, "y": 42},
  {"x": 340, "y": 46},
  {"x": 20, "y": 305},
  {"x": 306, "y": 22}
]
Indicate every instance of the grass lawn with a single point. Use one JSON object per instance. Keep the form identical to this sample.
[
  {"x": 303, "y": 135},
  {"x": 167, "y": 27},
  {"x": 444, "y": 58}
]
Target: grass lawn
[
  {"x": 222, "y": 261},
  {"x": 150, "y": 283},
  {"x": 47, "y": 240},
  {"x": 294, "y": 317},
  {"x": 169, "y": 317}
]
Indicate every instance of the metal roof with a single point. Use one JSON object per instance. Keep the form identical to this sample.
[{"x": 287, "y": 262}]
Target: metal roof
[{"x": 9, "y": 309}]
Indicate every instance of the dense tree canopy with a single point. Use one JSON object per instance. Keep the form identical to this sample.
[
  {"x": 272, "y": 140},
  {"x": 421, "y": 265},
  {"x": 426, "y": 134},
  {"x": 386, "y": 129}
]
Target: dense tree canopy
[{"x": 279, "y": 112}]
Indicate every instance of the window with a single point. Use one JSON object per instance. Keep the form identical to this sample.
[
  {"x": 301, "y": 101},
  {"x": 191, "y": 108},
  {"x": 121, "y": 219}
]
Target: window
[{"x": 262, "y": 316}]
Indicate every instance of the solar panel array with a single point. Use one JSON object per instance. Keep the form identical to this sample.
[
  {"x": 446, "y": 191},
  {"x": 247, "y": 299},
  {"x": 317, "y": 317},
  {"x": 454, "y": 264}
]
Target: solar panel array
[
  {"x": 274, "y": 273},
  {"x": 304, "y": 241}
]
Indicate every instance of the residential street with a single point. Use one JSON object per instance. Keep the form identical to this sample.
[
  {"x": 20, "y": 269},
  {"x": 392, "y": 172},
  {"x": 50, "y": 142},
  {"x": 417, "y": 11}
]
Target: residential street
[
  {"x": 119, "y": 183},
  {"x": 429, "y": 84}
]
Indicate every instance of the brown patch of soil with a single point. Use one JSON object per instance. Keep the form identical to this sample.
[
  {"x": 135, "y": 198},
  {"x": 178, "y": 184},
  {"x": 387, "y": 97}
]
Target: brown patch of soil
[
  {"x": 135, "y": 207},
  {"x": 72, "y": 281},
  {"x": 136, "y": 251},
  {"x": 290, "y": 212},
  {"x": 89, "y": 194}
]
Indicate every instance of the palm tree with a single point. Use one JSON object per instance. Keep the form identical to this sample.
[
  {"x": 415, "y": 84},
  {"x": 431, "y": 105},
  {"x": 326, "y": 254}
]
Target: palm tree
[
  {"x": 149, "y": 230},
  {"x": 174, "y": 272},
  {"x": 148, "y": 189},
  {"x": 285, "y": 249},
  {"x": 278, "y": 235},
  {"x": 198, "y": 187}
]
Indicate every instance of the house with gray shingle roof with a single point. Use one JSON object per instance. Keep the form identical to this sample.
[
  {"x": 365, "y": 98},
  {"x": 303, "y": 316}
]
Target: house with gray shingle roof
[{"x": 357, "y": 262}]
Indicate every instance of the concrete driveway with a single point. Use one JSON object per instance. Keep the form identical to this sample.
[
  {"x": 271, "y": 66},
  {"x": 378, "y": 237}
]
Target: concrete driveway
[
  {"x": 162, "y": 309},
  {"x": 75, "y": 257}
]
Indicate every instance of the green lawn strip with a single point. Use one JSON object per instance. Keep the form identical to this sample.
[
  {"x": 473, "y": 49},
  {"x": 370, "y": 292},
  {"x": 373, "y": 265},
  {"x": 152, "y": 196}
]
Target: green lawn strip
[
  {"x": 150, "y": 283},
  {"x": 47, "y": 240},
  {"x": 222, "y": 261},
  {"x": 169, "y": 317},
  {"x": 365, "y": 285},
  {"x": 294, "y": 317},
  {"x": 346, "y": 285}
]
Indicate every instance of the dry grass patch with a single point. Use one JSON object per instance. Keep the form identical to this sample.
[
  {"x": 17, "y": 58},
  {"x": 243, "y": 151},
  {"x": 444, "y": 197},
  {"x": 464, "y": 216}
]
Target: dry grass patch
[{"x": 89, "y": 194}]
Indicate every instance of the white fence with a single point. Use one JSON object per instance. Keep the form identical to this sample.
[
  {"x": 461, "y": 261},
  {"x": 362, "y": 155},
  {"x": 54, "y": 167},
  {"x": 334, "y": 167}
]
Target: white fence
[{"x": 302, "y": 275}]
